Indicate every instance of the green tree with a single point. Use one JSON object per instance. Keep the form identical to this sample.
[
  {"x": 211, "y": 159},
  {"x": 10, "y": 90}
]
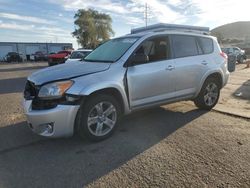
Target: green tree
[{"x": 92, "y": 28}]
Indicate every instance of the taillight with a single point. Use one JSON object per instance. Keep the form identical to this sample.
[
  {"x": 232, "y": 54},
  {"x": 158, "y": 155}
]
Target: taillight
[{"x": 224, "y": 55}]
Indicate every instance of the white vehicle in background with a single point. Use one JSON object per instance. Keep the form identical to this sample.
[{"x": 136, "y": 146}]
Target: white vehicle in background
[{"x": 79, "y": 54}]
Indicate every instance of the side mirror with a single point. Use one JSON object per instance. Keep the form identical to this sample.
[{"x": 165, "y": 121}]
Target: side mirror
[{"x": 138, "y": 59}]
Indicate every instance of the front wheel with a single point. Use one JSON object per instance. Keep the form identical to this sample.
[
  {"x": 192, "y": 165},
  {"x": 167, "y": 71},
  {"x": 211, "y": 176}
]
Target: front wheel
[
  {"x": 209, "y": 95},
  {"x": 98, "y": 117}
]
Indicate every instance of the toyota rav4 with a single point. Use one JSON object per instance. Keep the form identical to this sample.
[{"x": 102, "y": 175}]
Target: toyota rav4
[{"x": 152, "y": 66}]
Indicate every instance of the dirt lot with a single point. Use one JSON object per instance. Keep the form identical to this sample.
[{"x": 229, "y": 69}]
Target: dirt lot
[
  {"x": 176, "y": 145},
  {"x": 235, "y": 96}
]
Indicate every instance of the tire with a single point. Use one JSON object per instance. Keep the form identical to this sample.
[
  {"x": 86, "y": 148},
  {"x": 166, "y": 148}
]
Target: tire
[
  {"x": 209, "y": 94},
  {"x": 92, "y": 122}
]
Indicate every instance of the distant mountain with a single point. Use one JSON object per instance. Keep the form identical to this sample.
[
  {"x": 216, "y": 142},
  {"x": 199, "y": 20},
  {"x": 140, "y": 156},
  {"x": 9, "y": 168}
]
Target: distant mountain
[{"x": 236, "y": 30}]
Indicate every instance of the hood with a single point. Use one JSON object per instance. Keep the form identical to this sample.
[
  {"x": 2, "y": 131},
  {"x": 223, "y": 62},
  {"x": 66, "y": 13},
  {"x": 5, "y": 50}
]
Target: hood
[{"x": 67, "y": 71}]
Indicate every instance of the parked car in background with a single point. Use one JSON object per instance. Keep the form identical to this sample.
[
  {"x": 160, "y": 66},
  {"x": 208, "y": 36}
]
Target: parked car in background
[
  {"x": 150, "y": 67},
  {"x": 13, "y": 57},
  {"x": 78, "y": 55},
  {"x": 237, "y": 52},
  {"x": 39, "y": 56},
  {"x": 58, "y": 58}
]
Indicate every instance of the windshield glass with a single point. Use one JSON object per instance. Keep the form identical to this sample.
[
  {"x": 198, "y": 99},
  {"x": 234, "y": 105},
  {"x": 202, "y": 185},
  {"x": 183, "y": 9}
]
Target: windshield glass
[{"x": 112, "y": 50}]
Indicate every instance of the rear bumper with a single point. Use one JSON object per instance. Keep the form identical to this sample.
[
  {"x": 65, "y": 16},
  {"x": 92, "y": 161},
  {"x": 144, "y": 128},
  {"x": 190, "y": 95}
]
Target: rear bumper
[
  {"x": 56, "y": 122},
  {"x": 225, "y": 78}
]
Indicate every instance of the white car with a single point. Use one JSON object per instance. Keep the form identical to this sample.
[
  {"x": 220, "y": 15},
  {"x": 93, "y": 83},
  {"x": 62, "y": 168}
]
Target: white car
[{"x": 78, "y": 55}]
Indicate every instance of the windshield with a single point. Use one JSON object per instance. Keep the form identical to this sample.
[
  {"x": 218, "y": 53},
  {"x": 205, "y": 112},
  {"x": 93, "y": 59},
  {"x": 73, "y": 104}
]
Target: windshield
[{"x": 112, "y": 50}]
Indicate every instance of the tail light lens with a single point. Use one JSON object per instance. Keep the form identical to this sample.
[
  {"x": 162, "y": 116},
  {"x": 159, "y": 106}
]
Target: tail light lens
[{"x": 224, "y": 55}]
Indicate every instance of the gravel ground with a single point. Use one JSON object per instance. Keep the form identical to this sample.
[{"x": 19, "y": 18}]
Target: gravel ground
[
  {"x": 235, "y": 96},
  {"x": 175, "y": 145}
]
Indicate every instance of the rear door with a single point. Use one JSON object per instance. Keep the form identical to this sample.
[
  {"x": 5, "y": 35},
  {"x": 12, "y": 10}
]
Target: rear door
[{"x": 191, "y": 63}]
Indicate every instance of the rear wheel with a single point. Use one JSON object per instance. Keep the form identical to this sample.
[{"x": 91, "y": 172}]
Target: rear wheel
[
  {"x": 209, "y": 94},
  {"x": 98, "y": 117}
]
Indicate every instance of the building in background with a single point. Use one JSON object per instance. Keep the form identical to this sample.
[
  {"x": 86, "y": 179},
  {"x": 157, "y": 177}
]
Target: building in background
[{"x": 27, "y": 49}]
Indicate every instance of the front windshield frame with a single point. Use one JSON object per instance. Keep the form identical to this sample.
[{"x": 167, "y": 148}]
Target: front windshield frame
[{"x": 135, "y": 38}]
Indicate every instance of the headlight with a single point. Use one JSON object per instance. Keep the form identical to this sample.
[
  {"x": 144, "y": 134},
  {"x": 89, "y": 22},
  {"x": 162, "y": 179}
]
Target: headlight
[{"x": 54, "y": 90}]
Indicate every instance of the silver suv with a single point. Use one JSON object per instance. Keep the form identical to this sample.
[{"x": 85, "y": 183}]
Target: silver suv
[{"x": 150, "y": 67}]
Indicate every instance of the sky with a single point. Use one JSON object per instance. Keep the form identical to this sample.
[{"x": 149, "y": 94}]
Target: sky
[{"x": 53, "y": 20}]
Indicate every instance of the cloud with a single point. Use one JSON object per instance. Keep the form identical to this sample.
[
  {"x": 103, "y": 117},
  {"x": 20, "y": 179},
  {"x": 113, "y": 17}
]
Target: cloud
[
  {"x": 104, "y": 5},
  {"x": 34, "y": 33},
  {"x": 221, "y": 12},
  {"x": 53, "y": 31},
  {"x": 132, "y": 11},
  {"x": 25, "y": 18}
]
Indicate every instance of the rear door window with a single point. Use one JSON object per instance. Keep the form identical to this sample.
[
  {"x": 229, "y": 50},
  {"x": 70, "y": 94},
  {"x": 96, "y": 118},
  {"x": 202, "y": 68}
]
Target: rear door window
[{"x": 184, "y": 46}]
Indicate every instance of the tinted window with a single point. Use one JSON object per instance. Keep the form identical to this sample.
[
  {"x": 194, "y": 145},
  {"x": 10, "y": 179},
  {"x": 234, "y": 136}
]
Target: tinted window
[
  {"x": 156, "y": 49},
  {"x": 206, "y": 45},
  {"x": 184, "y": 46}
]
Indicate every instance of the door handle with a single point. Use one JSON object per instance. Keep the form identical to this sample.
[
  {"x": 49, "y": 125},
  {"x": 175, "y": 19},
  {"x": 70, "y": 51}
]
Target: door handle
[
  {"x": 169, "y": 68},
  {"x": 204, "y": 62}
]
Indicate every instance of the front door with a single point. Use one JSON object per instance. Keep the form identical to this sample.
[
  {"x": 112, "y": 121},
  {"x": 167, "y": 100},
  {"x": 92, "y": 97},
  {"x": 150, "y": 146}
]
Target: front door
[{"x": 152, "y": 81}]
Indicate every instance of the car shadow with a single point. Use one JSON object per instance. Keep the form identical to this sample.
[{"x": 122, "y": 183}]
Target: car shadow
[
  {"x": 243, "y": 92},
  {"x": 27, "y": 160},
  {"x": 12, "y": 85}
]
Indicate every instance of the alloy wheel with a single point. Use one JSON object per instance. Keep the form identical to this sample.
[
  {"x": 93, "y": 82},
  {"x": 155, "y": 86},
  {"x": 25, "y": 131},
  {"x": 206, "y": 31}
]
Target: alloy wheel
[
  {"x": 102, "y": 118},
  {"x": 211, "y": 94}
]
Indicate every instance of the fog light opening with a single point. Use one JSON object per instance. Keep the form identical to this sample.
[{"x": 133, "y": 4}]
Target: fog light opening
[{"x": 47, "y": 128}]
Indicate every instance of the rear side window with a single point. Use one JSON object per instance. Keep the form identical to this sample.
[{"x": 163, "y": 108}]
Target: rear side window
[
  {"x": 184, "y": 46},
  {"x": 206, "y": 45}
]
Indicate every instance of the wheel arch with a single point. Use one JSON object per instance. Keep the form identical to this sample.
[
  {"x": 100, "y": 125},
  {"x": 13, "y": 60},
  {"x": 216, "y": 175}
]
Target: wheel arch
[
  {"x": 216, "y": 75},
  {"x": 108, "y": 91},
  {"x": 112, "y": 92}
]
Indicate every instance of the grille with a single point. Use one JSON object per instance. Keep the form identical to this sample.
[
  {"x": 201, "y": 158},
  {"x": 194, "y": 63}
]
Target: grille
[{"x": 38, "y": 104}]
